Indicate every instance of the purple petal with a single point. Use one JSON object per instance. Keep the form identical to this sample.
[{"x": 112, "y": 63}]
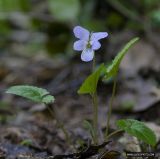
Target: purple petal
[
  {"x": 96, "y": 45},
  {"x": 98, "y": 36},
  {"x": 81, "y": 33},
  {"x": 79, "y": 45},
  {"x": 87, "y": 55}
]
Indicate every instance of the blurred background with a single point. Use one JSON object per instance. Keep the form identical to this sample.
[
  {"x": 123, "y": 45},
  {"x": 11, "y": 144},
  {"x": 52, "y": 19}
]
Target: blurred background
[
  {"x": 36, "y": 37},
  {"x": 43, "y": 29},
  {"x": 29, "y": 27},
  {"x": 36, "y": 47}
]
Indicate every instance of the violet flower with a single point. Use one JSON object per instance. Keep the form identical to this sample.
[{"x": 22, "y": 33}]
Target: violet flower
[{"x": 88, "y": 42}]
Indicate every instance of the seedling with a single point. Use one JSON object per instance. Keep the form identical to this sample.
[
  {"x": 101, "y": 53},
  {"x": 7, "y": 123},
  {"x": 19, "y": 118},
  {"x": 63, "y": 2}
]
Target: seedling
[
  {"x": 89, "y": 86},
  {"x": 39, "y": 95}
]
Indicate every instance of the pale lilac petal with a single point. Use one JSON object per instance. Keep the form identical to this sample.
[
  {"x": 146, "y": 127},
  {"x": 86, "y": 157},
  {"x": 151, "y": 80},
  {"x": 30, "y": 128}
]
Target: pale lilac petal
[
  {"x": 96, "y": 45},
  {"x": 79, "y": 45},
  {"x": 81, "y": 33},
  {"x": 87, "y": 55},
  {"x": 99, "y": 35}
]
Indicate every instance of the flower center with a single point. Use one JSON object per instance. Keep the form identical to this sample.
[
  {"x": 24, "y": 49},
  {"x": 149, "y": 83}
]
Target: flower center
[
  {"x": 89, "y": 42},
  {"x": 88, "y": 45}
]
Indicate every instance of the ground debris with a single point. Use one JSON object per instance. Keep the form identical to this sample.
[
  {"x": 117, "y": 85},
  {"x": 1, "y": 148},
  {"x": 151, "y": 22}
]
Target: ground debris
[{"x": 91, "y": 150}]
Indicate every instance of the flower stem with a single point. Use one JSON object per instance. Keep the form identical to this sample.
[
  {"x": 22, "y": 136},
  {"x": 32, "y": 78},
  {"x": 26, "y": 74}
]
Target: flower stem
[
  {"x": 59, "y": 123},
  {"x": 95, "y": 117},
  {"x": 110, "y": 107},
  {"x": 95, "y": 109},
  {"x": 93, "y": 64},
  {"x": 114, "y": 133}
]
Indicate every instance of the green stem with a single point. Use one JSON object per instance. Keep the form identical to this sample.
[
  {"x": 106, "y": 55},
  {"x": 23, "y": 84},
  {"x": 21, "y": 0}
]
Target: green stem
[
  {"x": 59, "y": 124},
  {"x": 110, "y": 107},
  {"x": 95, "y": 109},
  {"x": 95, "y": 117},
  {"x": 93, "y": 64},
  {"x": 113, "y": 133}
]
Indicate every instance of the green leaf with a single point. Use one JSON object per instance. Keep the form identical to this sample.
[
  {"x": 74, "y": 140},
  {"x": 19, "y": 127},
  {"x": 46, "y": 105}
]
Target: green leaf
[
  {"x": 138, "y": 129},
  {"x": 150, "y": 3},
  {"x": 26, "y": 142},
  {"x": 155, "y": 17},
  {"x": 89, "y": 86},
  {"x": 8, "y": 6},
  {"x": 113, "y": 68},
  {"x": 64, "y": 10},
  {"x": 48, "y": 99},
  {"x": 35, "y": 94}
]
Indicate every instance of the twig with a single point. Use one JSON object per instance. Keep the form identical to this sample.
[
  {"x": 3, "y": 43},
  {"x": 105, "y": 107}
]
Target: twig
[{"x": 88, "y": 152}]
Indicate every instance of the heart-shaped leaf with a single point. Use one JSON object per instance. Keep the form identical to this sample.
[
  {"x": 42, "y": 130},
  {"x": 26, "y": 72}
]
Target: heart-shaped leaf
[
  {"x": 138, "y": 129},
  {"x": 35, "y": 94},
  {"x": 90, "y": 84}
]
